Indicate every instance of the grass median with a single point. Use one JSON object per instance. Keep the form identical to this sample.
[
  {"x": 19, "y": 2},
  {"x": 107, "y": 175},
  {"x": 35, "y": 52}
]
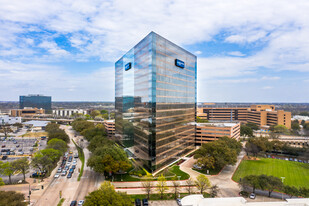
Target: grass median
[{"x": 81, "y": 156}]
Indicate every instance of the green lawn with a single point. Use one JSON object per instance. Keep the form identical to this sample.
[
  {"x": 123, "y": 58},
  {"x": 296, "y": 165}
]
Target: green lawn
[{"x": 295, "y": 173}]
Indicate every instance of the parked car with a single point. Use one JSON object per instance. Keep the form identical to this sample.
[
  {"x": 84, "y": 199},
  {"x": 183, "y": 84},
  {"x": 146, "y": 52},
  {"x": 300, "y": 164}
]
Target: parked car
[
  {"x": 17, "y": 145},
  {"x": 178, "y": 201},
  {"x": 81, "y": 202},
  {"x": 73, "y": 203},
  {"x": 19, "y": 150},
  {"x": 69, "y": 175},
  {"x": 3, "y": 146},
  {"x": 15, "y": 142},
  {"x": 4, "y": 157},
  {"x": 145, "y": 202},
  {"x": 252, "y": 196},
  {"x": 64, "y": 173},
  {"x": 138, "y": 202}
]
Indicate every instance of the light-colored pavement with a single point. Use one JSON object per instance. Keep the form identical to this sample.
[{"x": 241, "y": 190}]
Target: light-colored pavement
[{"x": 70, "y": 188}]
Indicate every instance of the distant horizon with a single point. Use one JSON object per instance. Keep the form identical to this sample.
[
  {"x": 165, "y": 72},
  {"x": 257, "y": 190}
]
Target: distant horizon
[{"x": 3, "y": 101}]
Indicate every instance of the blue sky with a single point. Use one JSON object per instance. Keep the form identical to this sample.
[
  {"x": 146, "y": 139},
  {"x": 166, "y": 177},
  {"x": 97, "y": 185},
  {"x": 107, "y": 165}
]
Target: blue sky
[{"x": 248, "y": 51}]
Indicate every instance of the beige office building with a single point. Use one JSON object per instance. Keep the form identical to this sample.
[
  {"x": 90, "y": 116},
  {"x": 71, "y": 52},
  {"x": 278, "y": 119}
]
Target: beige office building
[{"x": 206, "y": 132}]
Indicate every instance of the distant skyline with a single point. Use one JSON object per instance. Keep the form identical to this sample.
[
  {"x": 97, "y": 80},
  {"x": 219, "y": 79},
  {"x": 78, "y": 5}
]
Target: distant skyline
[{"x": 248, "y": 51}]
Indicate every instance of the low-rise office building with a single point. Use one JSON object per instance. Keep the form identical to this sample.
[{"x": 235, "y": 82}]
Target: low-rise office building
[
  {"x": 6, "y": 119},
  {"x": 110, "y": 127},
  {"x": 68, "y": 112},
  {"x": 206, "y": 132},
  {"x": 27, "y": 112},
  {"x": 262, "y": 115}
]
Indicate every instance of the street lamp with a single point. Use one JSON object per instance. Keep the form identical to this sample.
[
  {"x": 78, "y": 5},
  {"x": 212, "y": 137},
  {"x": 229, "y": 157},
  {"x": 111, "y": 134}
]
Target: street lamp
[{"x": 282, "y": 183}]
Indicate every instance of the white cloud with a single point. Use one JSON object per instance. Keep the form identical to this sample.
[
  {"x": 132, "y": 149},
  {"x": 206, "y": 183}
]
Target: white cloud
[
  {"x": 236, "y": 53},
  {"x": 267, "y": 87},
  {"x": 198, "y": 52}
]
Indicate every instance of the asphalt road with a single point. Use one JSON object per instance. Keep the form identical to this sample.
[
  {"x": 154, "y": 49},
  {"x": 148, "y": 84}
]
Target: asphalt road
[{"x": 71, "y": 189}]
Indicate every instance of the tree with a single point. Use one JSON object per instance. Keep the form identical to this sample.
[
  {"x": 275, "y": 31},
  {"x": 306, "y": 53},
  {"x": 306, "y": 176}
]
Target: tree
[
  {"x": 295, "y": 125},
  {"x": 94, "y": 113},
  {"x": 103, "y": 111},
  {"x": 291, "y": 190},
  {"x": 41, "y": 162},
  {"x": 246, "y": 131},
  {"x": 252, "y": 181},
  {"x": 161, "y": 186},
  {"x": 5, "y": 129},
  {"x": 7, "y": 169},
  {"x": 108, "y": 158},
  {"x": 176, "y": 185},
  {"x": 51, "y": 127},
  {"x": 217, "y": 154},
  {"x": 81, "y": 125},
  {"x": 190, "y": 184},
  {"x": 304, "y": 191},
  {"x": 273, "y": 135},
  {"x": 107, "y": 196},
  {"x": 214, "y": 190},
  {"x": 199, "y": 120},
  {"x": 252, "y": 148},
  {"x": 1, "y": 182},
  {"x": 58, "y": 134},
  {"x": 53, "y": 154},
  {"x": 270, "y": 183},
  {"x": 12, "y": 198},
  {"x": 147, "y": 186},
  {"x": 57, "y": 144},
  {"x": 92, "y": 132},
  {"x": 281, "y": 129},
  {"x": 202, "y": 183},
  {"x": 253, "y": 126},
  {"x": 99, "y": 141},
  {"x": 22, "y": 165}
]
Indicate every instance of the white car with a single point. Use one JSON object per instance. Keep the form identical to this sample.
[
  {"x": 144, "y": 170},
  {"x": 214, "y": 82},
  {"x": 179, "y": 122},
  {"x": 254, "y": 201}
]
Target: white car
[
  {"x": 252, "y": 196},
  {"x": 56, "y": 175},
  {"x": 68, "y": 163},
  {"x": 81, "y": 202}
]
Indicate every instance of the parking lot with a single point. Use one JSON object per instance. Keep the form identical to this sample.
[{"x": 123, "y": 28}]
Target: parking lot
[{"x": 18, "y": 146}]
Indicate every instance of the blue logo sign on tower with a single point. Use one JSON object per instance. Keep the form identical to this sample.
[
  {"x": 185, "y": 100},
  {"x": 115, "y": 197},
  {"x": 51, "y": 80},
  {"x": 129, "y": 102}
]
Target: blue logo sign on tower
[
  {"x": 179, "y": 63},
  {"x": 128, "y": 66}
]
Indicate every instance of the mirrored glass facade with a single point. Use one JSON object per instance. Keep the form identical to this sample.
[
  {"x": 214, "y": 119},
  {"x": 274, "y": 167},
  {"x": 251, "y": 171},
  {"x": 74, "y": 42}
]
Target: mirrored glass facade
[
  {"x": 36, "y": 101},
  {"x": 155, "y": 99}
]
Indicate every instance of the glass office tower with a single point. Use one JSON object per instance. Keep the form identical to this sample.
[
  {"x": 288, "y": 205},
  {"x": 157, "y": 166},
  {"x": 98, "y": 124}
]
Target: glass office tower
[
  {"x": 155, "y": 100},
  {"x": 36, "y": 101}
]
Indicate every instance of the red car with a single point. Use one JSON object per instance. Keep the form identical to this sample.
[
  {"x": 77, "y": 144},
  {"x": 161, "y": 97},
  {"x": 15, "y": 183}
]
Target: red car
[{"x": 3, "y": 145}]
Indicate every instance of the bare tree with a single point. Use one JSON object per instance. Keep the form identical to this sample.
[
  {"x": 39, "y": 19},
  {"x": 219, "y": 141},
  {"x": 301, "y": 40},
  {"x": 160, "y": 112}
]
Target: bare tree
[
  {"x": 5, "y": 129},
  {"x": 176, "y": 185},
  {"x": 190, "y": 184},
  {"x": 214, "y": 190},
  {"x": 147, "y": 187}
]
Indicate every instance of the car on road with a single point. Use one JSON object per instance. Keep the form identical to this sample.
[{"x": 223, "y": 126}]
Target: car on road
[
  {"x": 138, "y": 202},
  {"x": 68, "y": 163},
  {"x": 70, "y": 152},
  {"x": 178, "y": 201},
  {"x": 76, "y": 155},
  {"x": 18, "y": 145},
  {"x": 69, "y": 175},
  {"x": 252, "y": 196},
  {"x": 145, "y": 202},
  {"x": 59, "y": 170},
  {"x": 56, "y": 175},
  {"x": 67, "y": 167},
  {"x": 73, "y": 166},
  {"x": 81, "y": 202},
  {"x": 73, "y": 203},
  {"x": 64, "y": 173},
  {"x": 74, "y": 163},
  {"x": 15, "y": 142},
  {"x": 71, "y": 170}
]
